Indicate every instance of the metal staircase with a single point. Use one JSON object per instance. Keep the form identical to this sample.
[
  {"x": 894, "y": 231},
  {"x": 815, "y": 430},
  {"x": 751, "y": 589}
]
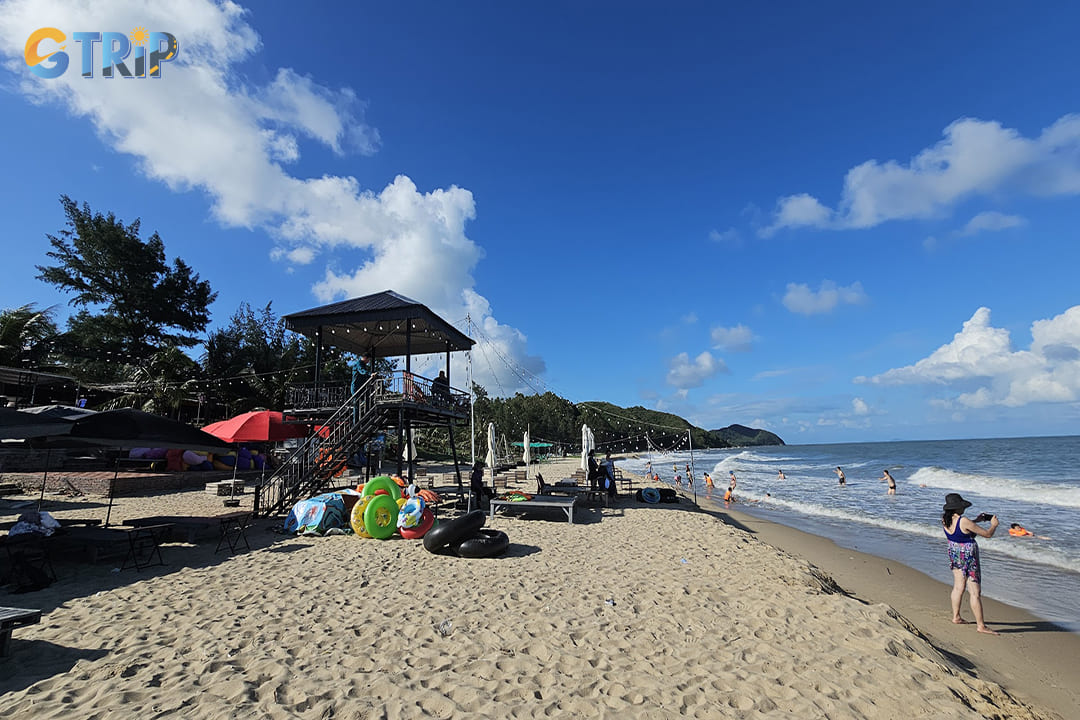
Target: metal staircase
[{"x": 312, "y": 467}]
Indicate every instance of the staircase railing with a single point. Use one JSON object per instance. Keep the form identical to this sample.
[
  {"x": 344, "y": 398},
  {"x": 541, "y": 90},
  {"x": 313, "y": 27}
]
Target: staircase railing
[{"x": 325, "y": 453}]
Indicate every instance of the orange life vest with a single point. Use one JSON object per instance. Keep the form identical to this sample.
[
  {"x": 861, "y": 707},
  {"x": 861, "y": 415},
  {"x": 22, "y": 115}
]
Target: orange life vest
[{"x": 1019, "y": 532}]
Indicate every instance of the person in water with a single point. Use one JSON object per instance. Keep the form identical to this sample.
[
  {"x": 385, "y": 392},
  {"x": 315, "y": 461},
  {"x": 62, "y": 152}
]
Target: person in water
[
  {"x": 1018, "y": 530},
  {"x": 840, "y": 475},
  {"x": 892, "y": 483},
  {"x": 708, "y": 481},
  {"x": 964, "y": 557},
  {"x": 780, "y": 475}
]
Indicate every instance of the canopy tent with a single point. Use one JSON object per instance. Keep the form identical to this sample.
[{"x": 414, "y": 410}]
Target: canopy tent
[{"x": 533, "y": 444}]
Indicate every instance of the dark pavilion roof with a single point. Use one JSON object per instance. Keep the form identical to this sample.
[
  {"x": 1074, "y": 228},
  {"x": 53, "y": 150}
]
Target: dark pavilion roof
[{"x": 381, "y": 325}]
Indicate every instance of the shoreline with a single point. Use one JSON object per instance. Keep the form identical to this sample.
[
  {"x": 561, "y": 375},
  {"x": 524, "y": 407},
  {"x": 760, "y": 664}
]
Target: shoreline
[{"x": 1034, "y": 658}]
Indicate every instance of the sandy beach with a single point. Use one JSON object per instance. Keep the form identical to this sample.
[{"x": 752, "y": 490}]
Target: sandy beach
[{"x": 634, "y": 611}]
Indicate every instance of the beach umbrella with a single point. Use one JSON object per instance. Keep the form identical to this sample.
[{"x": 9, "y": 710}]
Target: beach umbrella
[
  {"x": 584, "y": 447},
  {"x": 490, "y": 459},
  {"x": 129, "y": 428},
  {"x": 526, "y": 456},
  {"x": 22, "y": 425},
  {"x": 256, "y": 426}
]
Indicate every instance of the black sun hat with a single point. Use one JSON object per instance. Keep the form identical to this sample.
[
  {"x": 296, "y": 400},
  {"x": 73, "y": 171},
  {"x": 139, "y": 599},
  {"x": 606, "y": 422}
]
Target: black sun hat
[{"x": 953, "y": 501}]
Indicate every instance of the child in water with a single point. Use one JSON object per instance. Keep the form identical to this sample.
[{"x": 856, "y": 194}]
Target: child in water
[{"x": 1018, "y": 530}]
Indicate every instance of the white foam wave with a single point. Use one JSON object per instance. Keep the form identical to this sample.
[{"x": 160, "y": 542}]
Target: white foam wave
[
  {"x": 996, "y": 487},
  {"x": 1038, "y": 551}
]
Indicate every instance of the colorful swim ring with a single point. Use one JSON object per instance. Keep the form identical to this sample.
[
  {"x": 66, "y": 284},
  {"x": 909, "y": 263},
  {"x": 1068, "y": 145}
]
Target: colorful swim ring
[
  {"x": 415, "y": 533},
  {"x": 411, "y": 512},
  {"x": 398, "y": 481},
  {"x": 380, "y": 517},
  {"x": 382, "y": 482},
  {"x": 650, "y": 495},
  {"x": 356, "y": 517}
]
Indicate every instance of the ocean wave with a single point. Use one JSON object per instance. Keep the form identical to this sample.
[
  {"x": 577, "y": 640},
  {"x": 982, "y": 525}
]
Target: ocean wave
[
  {"x": 1028, "y": 550},
  {"x": 996, "y": 487}
]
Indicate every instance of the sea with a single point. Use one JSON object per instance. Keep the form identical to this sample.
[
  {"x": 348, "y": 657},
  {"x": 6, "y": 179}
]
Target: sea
[{"x": 1031, "y": 481}]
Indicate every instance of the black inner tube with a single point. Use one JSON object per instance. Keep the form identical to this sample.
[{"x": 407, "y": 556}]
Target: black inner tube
[
  {"x": 486, "y": 542},
  {"x": 453, "y": 531}
]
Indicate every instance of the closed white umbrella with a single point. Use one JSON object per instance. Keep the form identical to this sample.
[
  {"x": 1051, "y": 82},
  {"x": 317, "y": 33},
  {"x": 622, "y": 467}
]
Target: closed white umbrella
[
  {"x": 490, "y": 460},
  {"x": 584, "y": 447},
  {"x": 526, "y": 456}
]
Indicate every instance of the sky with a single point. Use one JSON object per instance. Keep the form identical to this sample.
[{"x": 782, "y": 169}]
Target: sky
[{"x": 835, "y": 221}]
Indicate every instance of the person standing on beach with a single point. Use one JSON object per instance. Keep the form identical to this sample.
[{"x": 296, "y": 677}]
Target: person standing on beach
[
  {"x": 840, "y": 475},
  {"x": 689, "y": 477},
  {"x": 648, "y": 469},
  {"x": 964, "y": 557},
  {"x": 731, "y": 484},
  {"x": 892, "y": 483}
]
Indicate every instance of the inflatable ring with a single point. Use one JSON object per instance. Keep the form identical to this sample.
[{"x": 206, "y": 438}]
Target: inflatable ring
[
  {"x": 380, "y": 517},
  {"x": 383, "y": 482},
  {"x": 415, "y": 533},
  {"x": 650, "y": 495},
  {"x": 400, "y": 482},
  {"x": 356, "y": 517},
  {"x": 485, "y": 543},
  {"x": 454, "y": 531},
  {"x": 411, "y": 513}
]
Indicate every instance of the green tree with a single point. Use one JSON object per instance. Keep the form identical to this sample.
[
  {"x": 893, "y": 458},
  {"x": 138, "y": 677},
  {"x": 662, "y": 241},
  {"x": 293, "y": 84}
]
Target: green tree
[
  {"x": 25, "y": 333},
  {"x": 161, "y": 384},
  {"x": 132, "y": 303}
]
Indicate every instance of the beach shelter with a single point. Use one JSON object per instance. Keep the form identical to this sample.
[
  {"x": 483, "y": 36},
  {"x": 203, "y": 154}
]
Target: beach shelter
[{"x": 256, "y": 426}]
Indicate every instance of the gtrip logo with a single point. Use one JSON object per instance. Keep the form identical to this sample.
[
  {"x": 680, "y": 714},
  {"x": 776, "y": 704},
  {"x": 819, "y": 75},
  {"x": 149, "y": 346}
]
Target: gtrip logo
[{"x": 46, "y": 58}]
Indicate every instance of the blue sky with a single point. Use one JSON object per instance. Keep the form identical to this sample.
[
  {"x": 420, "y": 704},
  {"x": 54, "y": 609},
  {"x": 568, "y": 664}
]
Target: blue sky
[{"x": 835, "y": 221}]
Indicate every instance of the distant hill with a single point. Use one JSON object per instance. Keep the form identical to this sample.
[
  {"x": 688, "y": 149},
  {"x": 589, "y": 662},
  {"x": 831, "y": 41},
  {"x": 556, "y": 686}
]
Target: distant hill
[
  {"x": 732, "y": 436},
  {"x": 740, "y": 435}
]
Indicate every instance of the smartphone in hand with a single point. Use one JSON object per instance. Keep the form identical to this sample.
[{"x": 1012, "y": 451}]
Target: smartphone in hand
[{"x": 983, "y": 517}]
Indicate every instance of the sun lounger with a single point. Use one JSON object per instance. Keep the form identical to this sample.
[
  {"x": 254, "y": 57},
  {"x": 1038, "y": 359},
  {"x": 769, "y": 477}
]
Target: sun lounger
[
  {"x": 566, "y": 504},
  {"x": 11, "y": 618}
]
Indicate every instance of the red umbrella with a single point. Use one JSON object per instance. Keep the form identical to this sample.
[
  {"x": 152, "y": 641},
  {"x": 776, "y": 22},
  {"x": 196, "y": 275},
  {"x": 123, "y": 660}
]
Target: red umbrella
[{"x": 256, "y": 426}]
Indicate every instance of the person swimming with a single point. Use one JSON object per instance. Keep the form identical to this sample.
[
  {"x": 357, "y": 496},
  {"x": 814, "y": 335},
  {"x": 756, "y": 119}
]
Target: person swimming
[{"x": 1018, "y": 530}]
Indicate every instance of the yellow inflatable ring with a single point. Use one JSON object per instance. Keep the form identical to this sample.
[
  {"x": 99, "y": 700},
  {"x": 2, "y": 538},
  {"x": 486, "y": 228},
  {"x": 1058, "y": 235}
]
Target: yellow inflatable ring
[{"x": 356, "y": 517}]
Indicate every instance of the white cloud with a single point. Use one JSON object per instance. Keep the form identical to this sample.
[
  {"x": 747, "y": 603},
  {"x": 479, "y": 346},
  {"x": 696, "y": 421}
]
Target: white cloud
[
  {"x": 800, "y": 210},
  {"x": 685, "y": 373},
  {"x": 734, "y": 339},
  {"x": 799, "y": 298},
  {"x": 991, "y": 221},
  {"x": 982, "y": 355},
  {"x": 201, "y": 126},
  {"x": 976, "y": 158},
  {"x": 690, "y": 318},
  {"x": 859, "y": 406},
  {"x": 730, "y": 236}
]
